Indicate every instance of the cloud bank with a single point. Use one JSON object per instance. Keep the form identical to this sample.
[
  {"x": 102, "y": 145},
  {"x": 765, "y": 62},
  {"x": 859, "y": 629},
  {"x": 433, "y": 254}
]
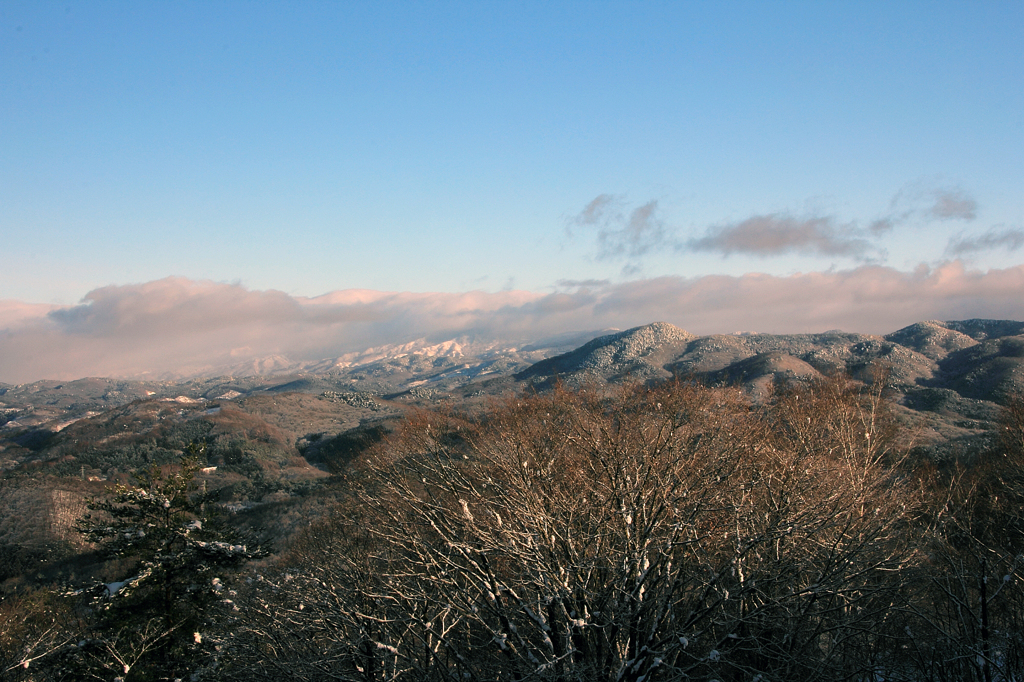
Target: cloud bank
[{"x": 177, "y": 326}]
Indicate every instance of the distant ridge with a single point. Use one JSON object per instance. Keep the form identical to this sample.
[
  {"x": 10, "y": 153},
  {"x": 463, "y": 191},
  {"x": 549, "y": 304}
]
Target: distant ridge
[
  {"x": 948, "y": 377},
  {"x": 932, "y": 339},
  {"x": 979, "y": 357},
  {"x": 637, "y": 352}
]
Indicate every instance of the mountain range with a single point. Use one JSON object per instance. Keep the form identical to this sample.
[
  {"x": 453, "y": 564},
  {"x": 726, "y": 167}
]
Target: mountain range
[{"x": 947, "y": 378}]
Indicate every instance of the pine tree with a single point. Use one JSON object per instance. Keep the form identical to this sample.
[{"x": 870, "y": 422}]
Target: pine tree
[{"x": 173, "y": 557}]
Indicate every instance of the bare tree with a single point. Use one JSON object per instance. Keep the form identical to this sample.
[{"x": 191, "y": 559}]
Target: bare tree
[
  {"x": 653, "y": 533},
  {"x": 970, "y": 616}
]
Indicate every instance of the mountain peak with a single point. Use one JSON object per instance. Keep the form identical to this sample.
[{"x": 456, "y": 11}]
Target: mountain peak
[
  {"x": 931, "y": 338},
  {"x": 639, "y": 352}
]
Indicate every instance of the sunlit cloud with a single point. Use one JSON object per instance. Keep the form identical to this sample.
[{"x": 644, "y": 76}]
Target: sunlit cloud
[
  {"x": 867, "y": 299},
  {"x": 631, "y": 235},
  {"x": 778, "y": 234},
  {"x": 177, "y": 327},
  {"x": 13, "y": 313}
]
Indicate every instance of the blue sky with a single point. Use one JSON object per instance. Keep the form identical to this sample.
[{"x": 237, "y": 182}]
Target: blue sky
[{"x": 449, "y": 147}]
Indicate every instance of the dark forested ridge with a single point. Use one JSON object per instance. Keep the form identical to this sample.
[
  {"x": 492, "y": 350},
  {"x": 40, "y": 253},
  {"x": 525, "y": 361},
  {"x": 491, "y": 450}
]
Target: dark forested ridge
[{"x": 651, "y": 505}]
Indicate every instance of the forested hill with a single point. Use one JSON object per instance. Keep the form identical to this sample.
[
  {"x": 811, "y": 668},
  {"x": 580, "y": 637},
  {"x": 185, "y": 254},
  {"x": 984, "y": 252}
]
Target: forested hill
[
  {"x": 636, "y": 531},
  {"x": 947, "y": 378},
  {"x": 647, "y": 505}
]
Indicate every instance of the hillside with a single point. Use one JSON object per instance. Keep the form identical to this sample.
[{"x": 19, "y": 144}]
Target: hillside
[
  {"x": 280, "y": 457},
  {"x": 947, "y": 377}
]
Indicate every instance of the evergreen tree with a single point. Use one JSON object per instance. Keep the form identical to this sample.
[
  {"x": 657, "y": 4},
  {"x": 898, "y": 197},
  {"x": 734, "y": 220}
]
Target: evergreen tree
[{"x": 171, "y": 558}]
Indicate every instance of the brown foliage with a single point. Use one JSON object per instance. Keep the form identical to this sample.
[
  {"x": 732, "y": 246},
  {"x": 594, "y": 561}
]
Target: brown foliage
[
  {"x": 650, "y": 533},
  {"x": 33, "y": 625}
]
